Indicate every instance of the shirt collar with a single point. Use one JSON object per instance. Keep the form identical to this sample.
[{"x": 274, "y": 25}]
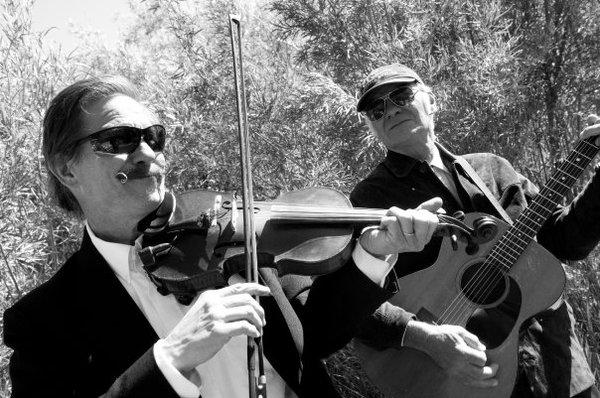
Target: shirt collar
[
  {"x": 401, "y": 165},
  {"x": 115, "y": 254}
]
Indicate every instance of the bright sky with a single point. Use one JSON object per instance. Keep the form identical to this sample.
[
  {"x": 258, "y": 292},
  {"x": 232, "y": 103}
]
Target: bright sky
[{"x": 67, "y": 16}]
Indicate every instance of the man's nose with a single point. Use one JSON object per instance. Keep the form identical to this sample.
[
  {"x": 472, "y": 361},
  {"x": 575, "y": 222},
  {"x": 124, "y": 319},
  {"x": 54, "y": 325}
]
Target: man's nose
[
  {"x": 143, "y": 153},
  {"x": 391, "y": 109}
]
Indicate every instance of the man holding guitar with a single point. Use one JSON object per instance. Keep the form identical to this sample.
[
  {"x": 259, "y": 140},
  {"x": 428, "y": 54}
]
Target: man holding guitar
[{"x": 399, "y": 110}]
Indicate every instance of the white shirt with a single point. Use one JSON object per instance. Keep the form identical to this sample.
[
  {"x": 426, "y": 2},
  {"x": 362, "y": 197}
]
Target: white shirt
[{"x": 225, "y": 374}]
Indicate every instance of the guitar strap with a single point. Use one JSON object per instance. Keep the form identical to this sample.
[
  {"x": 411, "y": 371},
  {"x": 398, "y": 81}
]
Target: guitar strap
[{"x": 481, "y": 185}]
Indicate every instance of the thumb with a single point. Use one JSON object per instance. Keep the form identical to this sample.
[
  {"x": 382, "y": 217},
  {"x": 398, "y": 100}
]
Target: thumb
[
  {"x": 431, "y": 205},
  {"x": 472, "y": 340},
  {"x": 592, "y": 119}
]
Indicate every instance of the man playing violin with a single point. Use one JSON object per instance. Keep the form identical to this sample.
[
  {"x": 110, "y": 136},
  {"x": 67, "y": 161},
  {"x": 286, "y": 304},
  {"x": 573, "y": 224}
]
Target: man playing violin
[
  {"x": 399, "y": 110},
  {"x": 99, "y": 326}
]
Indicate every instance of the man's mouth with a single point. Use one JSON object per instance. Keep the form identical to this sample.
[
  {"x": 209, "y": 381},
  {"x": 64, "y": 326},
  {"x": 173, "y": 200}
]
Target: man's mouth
[
  {"x": 139, "y": 174},
  {"x": 396, "y": 124}
]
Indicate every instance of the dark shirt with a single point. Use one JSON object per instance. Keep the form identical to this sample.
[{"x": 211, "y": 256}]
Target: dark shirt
[{"x": 548, "y": 346}]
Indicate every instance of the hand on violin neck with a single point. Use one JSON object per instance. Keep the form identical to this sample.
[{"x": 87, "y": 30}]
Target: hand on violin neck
[
  {"x": 402, "y": 230},
  {"x": 215, "y": 317}
]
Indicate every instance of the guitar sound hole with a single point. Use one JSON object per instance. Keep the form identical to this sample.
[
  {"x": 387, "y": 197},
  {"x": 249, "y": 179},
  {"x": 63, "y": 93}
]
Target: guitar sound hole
[{"x": 483, "y": 285}]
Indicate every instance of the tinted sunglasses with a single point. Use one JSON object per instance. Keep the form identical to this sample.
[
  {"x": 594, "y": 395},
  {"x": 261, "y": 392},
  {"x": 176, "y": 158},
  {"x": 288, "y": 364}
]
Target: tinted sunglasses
[
  {"x": 400, "y": 97},
  {"x": 125, "y": 139}
]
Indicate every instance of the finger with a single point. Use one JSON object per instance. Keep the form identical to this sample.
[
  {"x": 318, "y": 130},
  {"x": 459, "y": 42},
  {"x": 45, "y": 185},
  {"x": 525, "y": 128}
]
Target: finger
[
  {"x": 424, "y": 227},
  {"x": 253, "y": 289},
  {"x": 479, "y": 372},
  {"x": 491, "y": 370},
  {"x": 391, "y": 225},
  {"x": 404, "y": 218},
  {"x": 237, "y": 328},
  {"x": 246, "y": 312},
  {"x": 471, "y": 340},
  {"x": 483, "y": 383},
  {"x": 420, "y": 226},
  {"x": 240, "y": 300},
  {"x": 593, "y": 119},
  {"x": 590, "y": 131},
  {"x": 431, "y": 220},
  {"x": 473, "y": 356},
  {"x": 432, "y": 204}
]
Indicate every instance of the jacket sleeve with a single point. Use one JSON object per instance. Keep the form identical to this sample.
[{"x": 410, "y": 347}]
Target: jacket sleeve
[
  {"x": 386, "y": 325},
  {"x": 338, "y": 303},
  {"x": 43, "y": 364},
  {"x": 572, "y": 232}
]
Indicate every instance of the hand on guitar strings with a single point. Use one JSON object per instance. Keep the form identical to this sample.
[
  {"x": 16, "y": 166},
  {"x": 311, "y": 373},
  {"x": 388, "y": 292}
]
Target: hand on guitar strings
[{"x": 454, "y": 349}]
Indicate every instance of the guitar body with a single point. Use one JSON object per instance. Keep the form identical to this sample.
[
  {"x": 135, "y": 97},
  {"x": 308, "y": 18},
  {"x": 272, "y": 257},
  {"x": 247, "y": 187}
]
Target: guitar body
[{"x": 532, "y": 284}]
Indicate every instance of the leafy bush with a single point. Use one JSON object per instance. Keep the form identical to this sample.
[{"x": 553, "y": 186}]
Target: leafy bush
[{"x": 502, "y": 86}]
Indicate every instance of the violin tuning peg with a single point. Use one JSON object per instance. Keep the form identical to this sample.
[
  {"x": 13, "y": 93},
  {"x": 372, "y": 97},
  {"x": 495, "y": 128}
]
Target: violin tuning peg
[{"x": 454, "y": 242}]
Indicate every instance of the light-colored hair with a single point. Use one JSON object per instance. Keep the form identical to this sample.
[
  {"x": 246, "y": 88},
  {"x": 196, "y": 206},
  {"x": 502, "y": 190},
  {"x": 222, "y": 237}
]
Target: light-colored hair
[{"x": 63, "y": 122}]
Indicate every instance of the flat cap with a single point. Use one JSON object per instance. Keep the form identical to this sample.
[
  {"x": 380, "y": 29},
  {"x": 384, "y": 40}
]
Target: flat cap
[{"x": 388, "y": 74}]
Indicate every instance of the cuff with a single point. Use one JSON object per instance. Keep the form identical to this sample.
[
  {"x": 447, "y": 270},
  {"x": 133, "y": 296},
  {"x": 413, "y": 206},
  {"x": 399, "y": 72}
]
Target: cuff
[
  {"x": 182, "y": 386},
  {"x": 374, "y": 268}
]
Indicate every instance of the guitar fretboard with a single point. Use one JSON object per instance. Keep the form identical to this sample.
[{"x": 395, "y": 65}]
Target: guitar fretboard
[{"x": 515, "y": 240}]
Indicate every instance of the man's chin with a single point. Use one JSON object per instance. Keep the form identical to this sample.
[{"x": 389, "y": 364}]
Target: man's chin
[{"x": 152, "y": 188}]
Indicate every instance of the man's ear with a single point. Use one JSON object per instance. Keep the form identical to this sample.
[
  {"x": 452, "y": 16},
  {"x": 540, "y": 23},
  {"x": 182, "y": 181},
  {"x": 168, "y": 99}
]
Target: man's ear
[
  {"x": 62, "y": 169},
  {"x": 432, "y": 104}
]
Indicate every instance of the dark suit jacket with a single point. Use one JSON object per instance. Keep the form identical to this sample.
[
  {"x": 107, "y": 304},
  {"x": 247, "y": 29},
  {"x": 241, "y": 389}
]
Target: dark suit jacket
[{"x": 81, "y": 335}]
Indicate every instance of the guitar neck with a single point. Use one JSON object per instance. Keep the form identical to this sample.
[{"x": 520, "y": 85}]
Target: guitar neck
[{"x": 516, "y": 239}]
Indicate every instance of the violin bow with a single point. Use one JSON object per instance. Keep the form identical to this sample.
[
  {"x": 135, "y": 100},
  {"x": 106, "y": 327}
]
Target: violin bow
[{"x": 256, "y": 377}]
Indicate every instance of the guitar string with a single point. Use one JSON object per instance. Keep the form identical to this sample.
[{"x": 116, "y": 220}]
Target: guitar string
[
  {"x": 575, "y": 168},
  {"x": 488, "y": 268},
  {"x": 501, "y": 254}
]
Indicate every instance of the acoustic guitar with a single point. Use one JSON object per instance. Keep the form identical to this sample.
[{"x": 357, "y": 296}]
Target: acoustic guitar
[{"x": 489, "y": 288}]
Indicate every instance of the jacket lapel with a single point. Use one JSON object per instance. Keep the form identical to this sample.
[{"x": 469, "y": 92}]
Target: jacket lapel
[{"x": 114, "y": 330}]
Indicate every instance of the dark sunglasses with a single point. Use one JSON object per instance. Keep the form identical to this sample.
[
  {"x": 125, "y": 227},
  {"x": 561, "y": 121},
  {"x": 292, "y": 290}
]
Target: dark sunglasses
[
  {"x": 400, "y": 97},
  {"x": 125, "y": 139}
]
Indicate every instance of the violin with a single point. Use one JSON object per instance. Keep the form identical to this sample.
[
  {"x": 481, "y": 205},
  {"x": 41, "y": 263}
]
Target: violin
[
  {"x": 198, "y": 239},
  {"x": 195, "y": 240}
]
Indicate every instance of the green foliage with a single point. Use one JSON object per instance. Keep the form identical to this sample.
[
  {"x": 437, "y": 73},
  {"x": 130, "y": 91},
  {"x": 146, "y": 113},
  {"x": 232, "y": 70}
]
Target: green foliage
[
  {"x": 34, "y": 236},
  {"x": 510, "y": 77}
]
